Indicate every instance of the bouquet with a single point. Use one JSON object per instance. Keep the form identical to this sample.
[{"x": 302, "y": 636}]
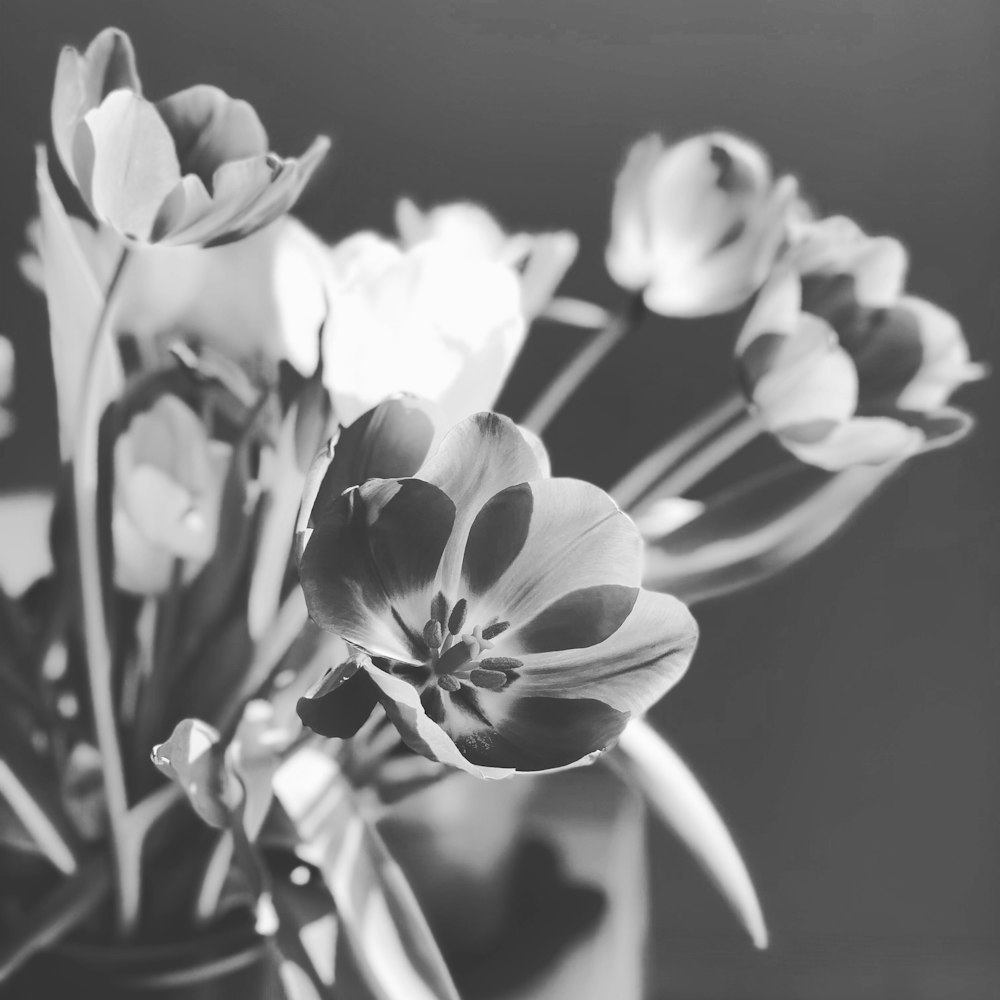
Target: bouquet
[{"x": 297, "y": 573}]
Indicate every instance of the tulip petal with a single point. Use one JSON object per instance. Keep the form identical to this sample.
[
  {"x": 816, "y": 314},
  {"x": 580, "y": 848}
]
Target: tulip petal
[
  {"x": 341, "y": 703},
  {"x": 860, "y": 441},
  {"x": 476, "y": 459},
  {"x": 940, "y": 428},
  {"x": 945, "y": 362},
  {"x": 135, "y": 166},
  {"x": 809, "y": 379},
  {"x": 534, "y": 733},
  {"x": 83, "y": 81},
  {"x": 211, "y": 128},
  {"x": 534, "y": 544},
  {"x": 550, "y": 257},
  {"x": 630, "y": 670},
  {"x": 368, "y": 567},
  {"x": 421, "y": 734}
]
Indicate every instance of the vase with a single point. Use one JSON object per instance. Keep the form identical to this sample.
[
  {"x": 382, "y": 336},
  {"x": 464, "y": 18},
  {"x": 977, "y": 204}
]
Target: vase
[{"x": 219, "y": 966}]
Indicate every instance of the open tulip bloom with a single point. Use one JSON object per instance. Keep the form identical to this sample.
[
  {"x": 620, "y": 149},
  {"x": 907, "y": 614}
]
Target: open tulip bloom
[
  {"x": 497, "y": 612},
  {"x": 841, "y": 365},
  {"x": 194, "y": 168}
]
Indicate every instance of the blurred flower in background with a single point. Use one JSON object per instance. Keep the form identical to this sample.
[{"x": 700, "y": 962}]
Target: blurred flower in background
[
  {"x": 695, "y": 226},
  {"x": 841, "y": 365},
  {"x": 193, "y": 168}
]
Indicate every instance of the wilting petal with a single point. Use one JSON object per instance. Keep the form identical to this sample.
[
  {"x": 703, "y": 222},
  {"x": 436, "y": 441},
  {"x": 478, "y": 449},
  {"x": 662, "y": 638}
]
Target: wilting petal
[
  {"x": 860, "y": 441},
  {"x": 210, "y": 128},
  {"x": 534, "y": 545},
  {"x": 368, "y": 568},
  {"x": 134, "y": 163},
  {"x": 630, "y": 670},
  {"x": 422, "y": 735},
  {"x": 476, "y": 459},
  {"x": 84, "y": 80}
]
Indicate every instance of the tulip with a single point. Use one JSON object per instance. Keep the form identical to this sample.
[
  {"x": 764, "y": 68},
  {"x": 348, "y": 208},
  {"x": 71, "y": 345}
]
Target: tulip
[
  {"x": 6, "y": 386},
  {"x": 169, "y": 479},
  {"x": 841, "y": 365},
  {"x": 257, "y": 301},
  {"x": 541, "y": 260},
  {"x": 696, "y": 226},
  {"x": 430, "y": 321},
  {"x": 497, "y": 614},
  {"x": 193, "y": 168}
]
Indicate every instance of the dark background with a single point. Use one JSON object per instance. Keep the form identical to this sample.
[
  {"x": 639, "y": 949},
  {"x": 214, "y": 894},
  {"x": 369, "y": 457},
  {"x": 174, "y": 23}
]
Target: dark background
[{"x": 845, "y": 716}]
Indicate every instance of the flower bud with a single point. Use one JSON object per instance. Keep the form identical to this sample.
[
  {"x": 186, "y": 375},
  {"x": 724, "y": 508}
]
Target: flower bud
[
  {"x": 696, "y": 226},
  {"x": 168, "y": 492},
  {"x": 842, "y": 366}
]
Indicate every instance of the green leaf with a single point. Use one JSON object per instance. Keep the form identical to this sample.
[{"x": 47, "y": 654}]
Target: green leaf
[{"x": 394, "y": 948}]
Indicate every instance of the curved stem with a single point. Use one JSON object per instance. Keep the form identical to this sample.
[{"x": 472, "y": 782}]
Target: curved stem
[
  {"x": 643, "y": 476},
  {"x": 708, "y": 459},
  {"x": 95, "y": 625},
  {"x": 559, "y": 390}
]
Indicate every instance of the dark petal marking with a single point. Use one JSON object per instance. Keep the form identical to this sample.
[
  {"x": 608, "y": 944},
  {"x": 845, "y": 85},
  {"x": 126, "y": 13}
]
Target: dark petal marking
[
  {"x": 889, "y": 356},
  {"x": 540, "y": 733},
  {"x": 497, "y": 537},
  {"x": 758, "y": 359},
  {"x": 439, "y": 608},
  {"x": 582, "y": 618},
  {"x": 433, "y": 704},
  {"x": 340, "y": 710},
  {"x": 809, "y": 432},
  {"x": 377, "y": 543}
]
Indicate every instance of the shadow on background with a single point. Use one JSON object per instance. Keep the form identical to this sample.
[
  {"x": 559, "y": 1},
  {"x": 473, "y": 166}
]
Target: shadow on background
[{"x": 845, "y": 717}]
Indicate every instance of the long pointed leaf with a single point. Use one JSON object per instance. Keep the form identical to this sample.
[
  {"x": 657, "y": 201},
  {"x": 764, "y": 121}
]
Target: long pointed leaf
[
  {"x": 758, "y": 529},
  {"x": 388, "y": 932},
  {"x": 675, "y": 795},
  {"x": 75, "y": 300}
]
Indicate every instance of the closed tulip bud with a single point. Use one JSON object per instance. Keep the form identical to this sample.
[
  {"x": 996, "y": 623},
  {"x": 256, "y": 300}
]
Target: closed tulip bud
[
  {"x": 843, "y": 367},
  {"x": 169, "y": 477},
  {"x": 193, "y": 168},
  {"x": 696, "y": 226}
]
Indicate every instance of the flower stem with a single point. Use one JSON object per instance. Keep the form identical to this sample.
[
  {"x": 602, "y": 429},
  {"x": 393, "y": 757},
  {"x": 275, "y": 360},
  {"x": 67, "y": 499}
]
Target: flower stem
[
  {"x": 559, "y": 390},
  {"x": 706, "y": 460},
  {"x": 95, "y": 625},
  {"x": 643, "y": 476}
]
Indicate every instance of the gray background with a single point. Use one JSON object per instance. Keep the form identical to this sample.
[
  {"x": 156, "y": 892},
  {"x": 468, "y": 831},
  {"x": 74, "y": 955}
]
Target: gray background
[{"x": 844, "y": 716}]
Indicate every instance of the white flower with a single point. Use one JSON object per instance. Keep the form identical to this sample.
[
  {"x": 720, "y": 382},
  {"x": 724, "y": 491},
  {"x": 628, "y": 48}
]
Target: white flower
[
  {"x": 695, "y": 226},
  {"x": 842, "y": 366},
  {"x": 541, "y": 260},
  {"x": 430, "y": 320}
]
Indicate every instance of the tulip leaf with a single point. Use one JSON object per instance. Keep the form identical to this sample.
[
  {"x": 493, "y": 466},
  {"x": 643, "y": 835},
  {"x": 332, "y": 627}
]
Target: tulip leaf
[
  {"x": 75, "y": 301},
  {"x": 748, "y": 534},
  {"x": 676, "y": 797},
  {"x": 387, "y": 931}
]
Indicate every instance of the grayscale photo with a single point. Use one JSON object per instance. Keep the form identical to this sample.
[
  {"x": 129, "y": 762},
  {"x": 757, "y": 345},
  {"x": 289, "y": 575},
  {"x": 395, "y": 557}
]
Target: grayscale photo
[{"x": 499, "y": 500}]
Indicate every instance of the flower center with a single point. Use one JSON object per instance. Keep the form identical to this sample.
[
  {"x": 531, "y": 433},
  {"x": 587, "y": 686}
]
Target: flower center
[{"x": 456, "y": 652}]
